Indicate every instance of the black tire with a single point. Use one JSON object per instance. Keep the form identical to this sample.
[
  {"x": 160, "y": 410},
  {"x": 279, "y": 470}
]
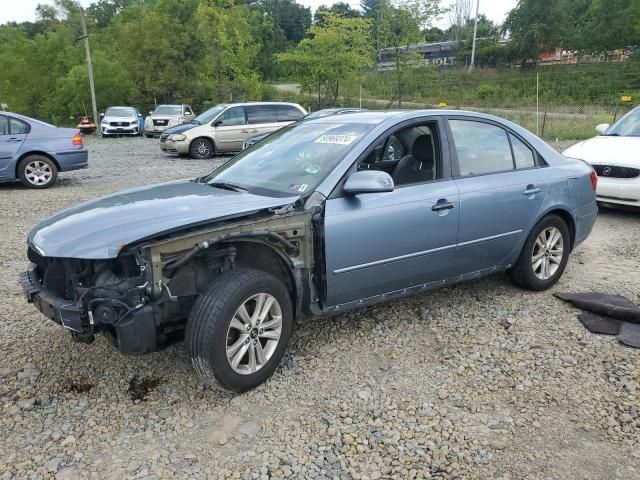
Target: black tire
[
  {"x": 201, "y": 148},
  {"x": 523, "y": 274},
  {"x": 42, "y": 163},
  {"x": 209, "y": 321}
]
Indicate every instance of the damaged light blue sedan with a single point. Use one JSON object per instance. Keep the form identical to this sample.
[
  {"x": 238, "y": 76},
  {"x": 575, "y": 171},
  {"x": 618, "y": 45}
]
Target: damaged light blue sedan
[{"x": 322, "y": 216}]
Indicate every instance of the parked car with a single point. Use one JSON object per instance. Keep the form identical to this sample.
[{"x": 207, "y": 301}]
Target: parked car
[
  {"x": 321, "y": 217},
  {"x": 317, "y": 114},
  {"x": 121, "y": 121},
  {"x": 35, "y": 152},
  {"x": 224, "y": 128},
  {"x": 614, "y": 155},
  {"x": 166, "y": 116}
]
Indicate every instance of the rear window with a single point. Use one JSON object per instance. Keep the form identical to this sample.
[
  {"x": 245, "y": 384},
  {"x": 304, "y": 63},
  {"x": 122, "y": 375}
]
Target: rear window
[
  {"x": 18, "y": 127},
  {"x": 261, "y": 114},
  {"x": 288, "y": 113}
]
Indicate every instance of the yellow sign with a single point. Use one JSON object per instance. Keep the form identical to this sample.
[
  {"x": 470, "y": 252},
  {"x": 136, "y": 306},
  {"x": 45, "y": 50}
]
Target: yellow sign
[
  {"x": 442, "y": 104},
  {"x": 626, "y": 98}
]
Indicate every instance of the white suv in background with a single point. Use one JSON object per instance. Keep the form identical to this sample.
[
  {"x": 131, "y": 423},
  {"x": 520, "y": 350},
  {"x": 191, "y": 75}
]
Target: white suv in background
[
  {"x": 166, "y": 116},
  {"x": 224, "y": 128}
]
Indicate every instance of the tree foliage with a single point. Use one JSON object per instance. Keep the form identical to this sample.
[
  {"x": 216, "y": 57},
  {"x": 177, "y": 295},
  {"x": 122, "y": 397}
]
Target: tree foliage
[{"x": 332, "y": 52}]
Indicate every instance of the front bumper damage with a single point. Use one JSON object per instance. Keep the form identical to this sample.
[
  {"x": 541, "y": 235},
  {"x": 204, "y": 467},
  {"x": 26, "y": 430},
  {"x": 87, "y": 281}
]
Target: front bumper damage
[{"x": 135, "y": 334}]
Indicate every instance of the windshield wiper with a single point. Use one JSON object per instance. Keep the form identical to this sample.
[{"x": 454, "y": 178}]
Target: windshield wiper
[{"x": 228, "y": 186}]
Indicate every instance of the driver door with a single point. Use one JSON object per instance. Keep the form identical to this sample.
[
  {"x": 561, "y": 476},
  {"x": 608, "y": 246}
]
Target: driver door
[{"x": 382, "y": 243}]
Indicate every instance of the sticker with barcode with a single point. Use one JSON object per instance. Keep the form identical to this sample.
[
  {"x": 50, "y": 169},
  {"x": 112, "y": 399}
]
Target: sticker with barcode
[{"x": 336, "y": 139}]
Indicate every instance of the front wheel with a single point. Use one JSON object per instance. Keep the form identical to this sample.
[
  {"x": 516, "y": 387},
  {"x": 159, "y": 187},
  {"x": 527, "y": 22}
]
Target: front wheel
[
  {"x": 238, "y": 330},
  {"x": 544, "y": 255},
  {"x": 201, "y": 148},
  {"x": 37, "y": 171}
]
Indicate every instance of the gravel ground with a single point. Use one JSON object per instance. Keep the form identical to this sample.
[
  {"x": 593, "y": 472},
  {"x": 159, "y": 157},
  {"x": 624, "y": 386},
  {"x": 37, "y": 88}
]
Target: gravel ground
[{"x": 477, "y": 381}]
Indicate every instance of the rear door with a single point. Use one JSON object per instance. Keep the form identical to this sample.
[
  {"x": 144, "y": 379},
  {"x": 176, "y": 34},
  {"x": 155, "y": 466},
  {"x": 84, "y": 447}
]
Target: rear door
[
  {"x": 231, "y": 130},
  {"x": 262, "y": 119},
  {"x": 502, "y": 186},
  {"x": 13, "y": 133}
]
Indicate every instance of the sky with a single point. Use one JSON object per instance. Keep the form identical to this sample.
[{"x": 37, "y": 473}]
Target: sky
[{"x": 25, "y": 10}]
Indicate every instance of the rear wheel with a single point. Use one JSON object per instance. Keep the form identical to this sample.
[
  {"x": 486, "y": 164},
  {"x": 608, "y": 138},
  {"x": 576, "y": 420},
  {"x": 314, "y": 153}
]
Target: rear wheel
[
  {"x": 238, "y": 330},
  {"x": 201, "y": 148},
  {"x": 544, "y": 255},
  {"x": 37, "y": 171}
]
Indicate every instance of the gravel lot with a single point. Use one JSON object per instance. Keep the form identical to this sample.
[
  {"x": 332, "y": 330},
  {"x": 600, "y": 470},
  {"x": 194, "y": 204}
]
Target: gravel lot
[{"x": 477, "y": 381}]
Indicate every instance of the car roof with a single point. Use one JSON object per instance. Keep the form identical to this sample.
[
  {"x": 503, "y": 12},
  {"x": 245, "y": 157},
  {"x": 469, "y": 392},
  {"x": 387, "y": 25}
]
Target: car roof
[
  {"x": 375, "y": 117},
  {"x": 31, "y": 121},
  {"x": 245, "y": 104}
]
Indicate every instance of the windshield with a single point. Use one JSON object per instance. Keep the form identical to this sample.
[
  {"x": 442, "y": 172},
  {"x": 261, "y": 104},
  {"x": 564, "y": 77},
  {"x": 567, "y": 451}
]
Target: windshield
[
  {"x": 207, "y": 116},
  {"x": 628, "y": 126},
  {"x": 120, "y": 112},
  {"x": 168, "y": 110},
  {"x": 291, "y": 161}
]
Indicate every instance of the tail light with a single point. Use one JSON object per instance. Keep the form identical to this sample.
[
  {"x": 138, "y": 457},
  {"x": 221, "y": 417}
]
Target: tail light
[
  {"x": 77, "y": 140},
  {"x": 594, "y": 179}
]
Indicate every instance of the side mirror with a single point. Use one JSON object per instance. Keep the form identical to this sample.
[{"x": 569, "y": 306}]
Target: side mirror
[
  {"x": 217, "y": 123},
  {"x": 603, "y": 127},
  {"x": 368, "y": 181},
  {"x": 150, "y": 112}
]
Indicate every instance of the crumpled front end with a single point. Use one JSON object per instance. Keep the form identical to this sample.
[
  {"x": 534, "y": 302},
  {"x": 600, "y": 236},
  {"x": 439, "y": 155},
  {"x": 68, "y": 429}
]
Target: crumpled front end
[{"x": 95, "y": 296}]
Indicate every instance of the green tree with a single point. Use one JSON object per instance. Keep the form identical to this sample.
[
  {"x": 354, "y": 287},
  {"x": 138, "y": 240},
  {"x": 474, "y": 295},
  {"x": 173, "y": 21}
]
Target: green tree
[
  {"x": 340, "y": 8},
  {"x": 398, "y": 28},
  {"x": 536, "y": 27},
  {"x": 290, "y": 17},
  {"x": 611, "y": 25},
  {"x": 331, "y": 53},
  {"x": 229, "y": 51}
]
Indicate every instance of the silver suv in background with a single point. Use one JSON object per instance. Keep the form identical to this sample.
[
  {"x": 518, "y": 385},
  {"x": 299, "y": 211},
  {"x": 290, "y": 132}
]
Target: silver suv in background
[
  {"x": 225, "y": 127},
  {"x": 166, "y": 116}
]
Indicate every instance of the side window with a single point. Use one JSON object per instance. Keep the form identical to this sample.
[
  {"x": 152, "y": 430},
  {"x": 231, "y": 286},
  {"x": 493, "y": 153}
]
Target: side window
[
  {"x": 187, "y": 110},
  {"x": 4, "y": 125},
  {"x": 522, "y": 154},
  {"x": 481, "y": 147},
  {"x": 233, "y": 116},
  {"x": 411, "y": 155},
  {"x": 257, "y": 114},
  {"x": 288, "y": 113},
  {"x": 18, "y": 127}
]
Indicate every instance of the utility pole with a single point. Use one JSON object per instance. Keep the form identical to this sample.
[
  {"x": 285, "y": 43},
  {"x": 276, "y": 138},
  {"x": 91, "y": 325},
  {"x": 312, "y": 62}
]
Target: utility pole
[
  {"x": 475, "y": 34},
  {"x": 85, "y": 38}
]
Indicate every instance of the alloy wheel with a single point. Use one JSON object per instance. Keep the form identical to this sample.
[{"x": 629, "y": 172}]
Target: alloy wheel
[
  {"x": 547, "y": 254},
  {"x": 254, "y": 333},
  {"x": 38, "y": 173}
]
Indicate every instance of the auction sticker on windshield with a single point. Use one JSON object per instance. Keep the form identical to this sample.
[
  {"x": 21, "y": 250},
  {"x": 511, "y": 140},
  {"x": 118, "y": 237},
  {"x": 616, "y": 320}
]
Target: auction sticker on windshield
[{"x": 336, "y": 139}]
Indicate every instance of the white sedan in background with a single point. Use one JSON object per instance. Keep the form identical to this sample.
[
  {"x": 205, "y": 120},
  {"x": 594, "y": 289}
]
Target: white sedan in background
[{"x": 615, "y": 156}]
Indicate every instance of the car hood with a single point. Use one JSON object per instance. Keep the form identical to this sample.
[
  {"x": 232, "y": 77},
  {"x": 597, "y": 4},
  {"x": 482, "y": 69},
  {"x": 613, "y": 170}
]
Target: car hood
[
  {"x": 180, "y": 128},
  {"x": 607, "y": 150},
  {"x": 99, "y": 229}
]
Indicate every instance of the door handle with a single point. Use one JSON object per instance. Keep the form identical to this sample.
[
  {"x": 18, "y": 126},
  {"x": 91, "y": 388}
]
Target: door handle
[
  {"x": 14, "y": 140},
  {"x": 443, "y": 205},
  {"x": 244, "y": 131},
  {"x": 531, "y": 190}
]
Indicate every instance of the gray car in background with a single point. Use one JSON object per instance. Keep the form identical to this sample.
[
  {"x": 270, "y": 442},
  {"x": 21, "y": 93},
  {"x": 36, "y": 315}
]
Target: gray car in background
[
  {"x": 321, "y": 217},
  {"x": 35, "y": 152}
]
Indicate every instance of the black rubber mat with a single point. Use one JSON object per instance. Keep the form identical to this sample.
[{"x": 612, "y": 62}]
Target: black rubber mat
[
  {"x": 604, "y": 304},
  {"x": 630, "y": 334},
  {"x": 607, "y": 315},
  {"x": 599, "y": 324}
]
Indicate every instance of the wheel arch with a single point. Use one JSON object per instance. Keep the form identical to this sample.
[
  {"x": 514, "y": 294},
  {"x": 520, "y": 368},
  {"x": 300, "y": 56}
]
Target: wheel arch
[
  {"x": 565, "y": 215},
  {"x": 207, "y": 137},
  {"x": 260, "y": 255},
  {"x": 35, "y": 152}
]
